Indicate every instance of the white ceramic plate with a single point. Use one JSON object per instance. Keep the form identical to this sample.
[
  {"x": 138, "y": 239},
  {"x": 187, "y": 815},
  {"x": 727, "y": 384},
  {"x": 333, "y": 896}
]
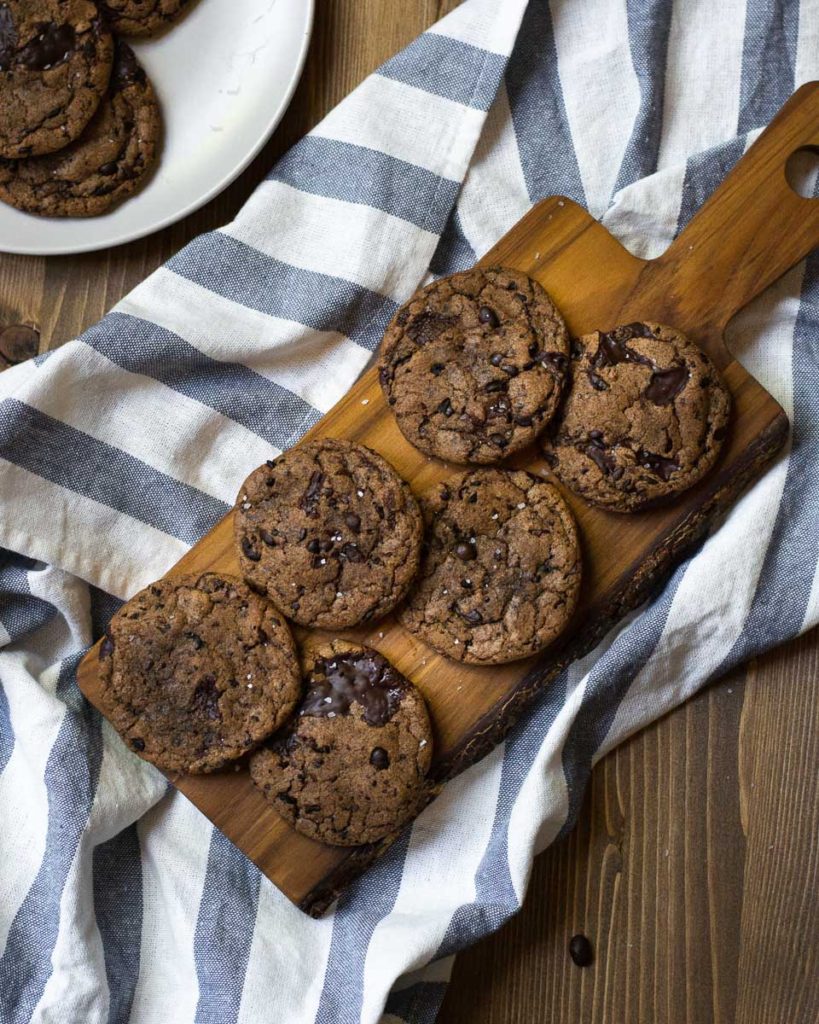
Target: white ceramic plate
[{"x": 224, "y": 74}]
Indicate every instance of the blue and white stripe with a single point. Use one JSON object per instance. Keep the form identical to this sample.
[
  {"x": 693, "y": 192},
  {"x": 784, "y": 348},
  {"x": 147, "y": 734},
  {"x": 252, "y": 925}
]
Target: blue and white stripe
[{"x": 118, "y": 901}]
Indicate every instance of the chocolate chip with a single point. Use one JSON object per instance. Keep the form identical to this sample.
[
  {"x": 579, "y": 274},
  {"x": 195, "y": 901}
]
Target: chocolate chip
[
  {"x": 499, "y": 440},
  {"x": 106, "y": 647},
  {"x": 580, "y": 950},
  {"x": 657, "y": 464},
  {"x": 379, "y": 758},
  {"x": 494, "y": 386},
  {"x": 473, "y": 617},
  {"x": 488, "y": 316},
  {"x": 445, "y": 407},
  {"x": 109, "y": 168},
  {"x": 436, "y": 368},
  {"x": 466, "y": 551},
  {"x": 302, "y": 533},
  {"x": 267, "y": 537},
  {"x": 197, "y": 641},
  {"x": 597, "y": 382},
  {"x": 351, "y": 553},
  {"x": 602, "y": 459},
  {"x": 556, "y": 360},
  {"x": 137, "y": 743},
  {"x": 665, "y": 385},
  {"x": 311, "y": 496},
  {"x": 496, "y": 358},
  {"x": 510, "y": 370},
  {"x": 249, "y": 551},
  {"x": 51, "y": 47},
  {"x": 314, "y": 546},
  {"x": 206, "y": 698},
  {"x": 269, "y": 463},
  {"x": 353, "y": 521}
]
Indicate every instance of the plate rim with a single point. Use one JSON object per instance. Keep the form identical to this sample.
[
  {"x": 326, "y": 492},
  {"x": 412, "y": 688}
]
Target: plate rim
[{"x": 217, "y": 189}]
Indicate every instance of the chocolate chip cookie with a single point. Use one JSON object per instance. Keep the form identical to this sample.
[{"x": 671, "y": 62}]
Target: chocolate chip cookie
[
  {"x": 110, "y": 161},
  {"x": 501, "y": 571},
  {"x": 350, "y": 769},
  {"x": 474, "y": 365},
  {"x": 55, "y": 61},
  {"x": 196, "y": 671},
  {"x": 644, "y": 418},
  {"x": 330, "y": 533},
  {"x": 141, "y": 17}
]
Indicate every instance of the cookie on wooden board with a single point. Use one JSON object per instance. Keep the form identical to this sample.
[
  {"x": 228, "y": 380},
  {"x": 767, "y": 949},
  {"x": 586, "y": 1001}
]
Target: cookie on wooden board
[
  {"x": 474, "y": 364},
  {"x": 111, "y": 160},
  {"x": 142, "y": 17},
  {"x": 55, "y": 62},
  {"x": 351, "y": 767},
  {"x": 500, "y": 577},
  {"x": 644, "y": 418},
  {"x": 330, "y": 533},
  {"x": 196, "y": 671}
]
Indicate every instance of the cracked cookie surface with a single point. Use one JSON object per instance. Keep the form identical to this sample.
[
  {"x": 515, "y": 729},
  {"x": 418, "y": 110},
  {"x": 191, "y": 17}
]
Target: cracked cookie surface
[
  {"x": 350, "y": 768},
  {"x": 501, "y": 572},
  {"x": 55, "y": 62},
  {"x": 196, "y": 671},
  {"x": 141, "y": 17},
  {"x": 474, "y": 365},
  {"x": 644, "y": 418},
  {"x": 330, "y": 532},
  {"x": 108, "y": 162}
]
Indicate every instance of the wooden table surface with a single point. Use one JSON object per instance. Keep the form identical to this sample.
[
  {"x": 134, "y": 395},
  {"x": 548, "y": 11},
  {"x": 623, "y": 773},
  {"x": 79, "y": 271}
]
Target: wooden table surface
[{"x": 694, "y": 867}]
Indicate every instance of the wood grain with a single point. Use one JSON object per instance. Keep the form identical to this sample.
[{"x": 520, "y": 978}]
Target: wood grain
[
  {"x": 693, "y": 869},
  {"x": 595, "y": 283},
  {"x": 63, "y": 296}
]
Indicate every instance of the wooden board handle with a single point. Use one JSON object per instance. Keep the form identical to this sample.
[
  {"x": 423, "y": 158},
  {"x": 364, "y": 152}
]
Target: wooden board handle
[{"x": 753, "y": 228}]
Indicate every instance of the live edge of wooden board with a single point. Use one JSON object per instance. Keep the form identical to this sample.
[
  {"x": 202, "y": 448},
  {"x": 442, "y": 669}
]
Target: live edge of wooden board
[{"x": 749, "y": 233}]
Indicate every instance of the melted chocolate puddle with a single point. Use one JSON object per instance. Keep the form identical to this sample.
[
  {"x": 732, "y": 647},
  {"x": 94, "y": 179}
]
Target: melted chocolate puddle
[
  {"x": 664, "y": 468},
  {"x": 51, "y": 47},
  {"x": 361, "y": 676},
  {"x": 665, "y": 385}
]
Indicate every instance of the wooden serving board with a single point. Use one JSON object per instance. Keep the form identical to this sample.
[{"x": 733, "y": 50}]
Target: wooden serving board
[{"x": 750, "y": 232}]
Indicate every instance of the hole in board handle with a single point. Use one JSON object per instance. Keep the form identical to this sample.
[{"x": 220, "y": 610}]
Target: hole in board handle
[{"x": 802, "y": 170}]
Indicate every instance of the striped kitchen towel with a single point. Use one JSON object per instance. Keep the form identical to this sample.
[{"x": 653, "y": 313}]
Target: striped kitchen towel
[{"x": 118, "y": 900}]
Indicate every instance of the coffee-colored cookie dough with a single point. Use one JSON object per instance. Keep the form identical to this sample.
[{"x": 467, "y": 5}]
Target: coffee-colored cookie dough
[
  {"x": 55, "y": 61},
  {"x": 644, "y": 418},
  {"x": 474, "y": 364},
  {"x": 196, "y": 671},
  {"x": 351, "y": 767},
  {"x": 330, "y": 533},
  {"x": 500, "y": 576},
  {"x": 142, "y": 17},
  {"x": 111, "y": 160}
]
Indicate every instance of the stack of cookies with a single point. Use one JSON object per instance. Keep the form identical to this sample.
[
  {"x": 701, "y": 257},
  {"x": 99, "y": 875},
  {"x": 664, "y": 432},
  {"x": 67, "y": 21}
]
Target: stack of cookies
[
  {"x": 200, "y": 671},
  {"x": 80, "y": 124}
]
